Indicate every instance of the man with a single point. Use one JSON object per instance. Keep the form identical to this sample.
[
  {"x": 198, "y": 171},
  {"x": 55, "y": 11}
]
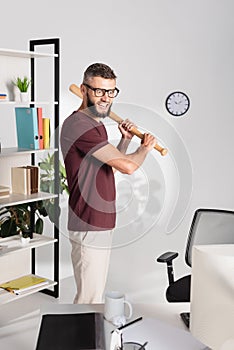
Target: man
[{"x": 90, "y": 162}]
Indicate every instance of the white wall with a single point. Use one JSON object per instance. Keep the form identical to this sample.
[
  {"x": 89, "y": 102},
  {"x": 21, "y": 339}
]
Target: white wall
[{"x": 155, "y": 47}]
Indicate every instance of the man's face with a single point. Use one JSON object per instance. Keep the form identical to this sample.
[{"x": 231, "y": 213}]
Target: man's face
[{"x": 99, "y": 106}]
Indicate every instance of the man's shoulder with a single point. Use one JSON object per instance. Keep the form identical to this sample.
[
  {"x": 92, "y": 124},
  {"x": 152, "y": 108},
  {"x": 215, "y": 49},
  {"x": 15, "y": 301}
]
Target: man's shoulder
[
  {"x": 80, "y": 118},
  {"x": 74, "y": 116}
]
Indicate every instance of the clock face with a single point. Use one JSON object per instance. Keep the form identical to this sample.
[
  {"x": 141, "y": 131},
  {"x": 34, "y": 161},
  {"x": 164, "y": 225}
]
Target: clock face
[{"x": 177, "y": 103}]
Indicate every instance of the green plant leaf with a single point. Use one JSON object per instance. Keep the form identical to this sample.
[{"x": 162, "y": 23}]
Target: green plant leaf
[
  {"x": 22, "y": 84},
  {"x": 39, "y": 226},
  {"x": 8, "y": 228}
]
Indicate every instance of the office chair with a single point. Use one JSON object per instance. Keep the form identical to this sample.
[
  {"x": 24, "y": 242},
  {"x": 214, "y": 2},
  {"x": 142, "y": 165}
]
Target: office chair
[{"x": 209, "y": 226}]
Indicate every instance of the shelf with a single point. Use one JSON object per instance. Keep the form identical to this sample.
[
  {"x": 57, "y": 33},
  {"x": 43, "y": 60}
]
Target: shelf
[
  {"x": 12, "y": 244},
  {"x": 25, "y": 54},
  {"x": 6, "y": 102},
  {"x": 16, "y": 199},
  {"x": 14, "y": 151},
  {"x": 16, "y": 258},
  {"x": 6, "y": 297}
]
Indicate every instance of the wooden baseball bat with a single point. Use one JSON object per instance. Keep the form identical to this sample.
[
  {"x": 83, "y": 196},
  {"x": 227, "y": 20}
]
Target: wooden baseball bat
[{"x": 76, "y": 90}]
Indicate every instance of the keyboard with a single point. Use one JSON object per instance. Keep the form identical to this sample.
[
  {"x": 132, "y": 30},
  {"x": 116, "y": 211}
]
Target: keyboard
[{"x": 185, "y": 317}]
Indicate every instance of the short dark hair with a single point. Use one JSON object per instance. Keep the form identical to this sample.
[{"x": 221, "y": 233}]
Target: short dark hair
[{"x": 98, "y": 70}]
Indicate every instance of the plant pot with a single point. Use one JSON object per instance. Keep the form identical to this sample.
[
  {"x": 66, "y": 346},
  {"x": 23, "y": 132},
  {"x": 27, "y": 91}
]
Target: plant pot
[
  {"x": 26, "y": 233},
  {"x": 24, "y": 240},
  {"x": 16, "y": 94},
  {"x": 24, "y": 97}
]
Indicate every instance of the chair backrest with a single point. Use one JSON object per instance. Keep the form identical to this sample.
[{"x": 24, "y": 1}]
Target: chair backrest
[{"x": 210, "y": 226}]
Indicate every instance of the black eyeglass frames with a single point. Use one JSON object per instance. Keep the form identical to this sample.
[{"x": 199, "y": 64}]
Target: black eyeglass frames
[{"x": 98, "y": 92}]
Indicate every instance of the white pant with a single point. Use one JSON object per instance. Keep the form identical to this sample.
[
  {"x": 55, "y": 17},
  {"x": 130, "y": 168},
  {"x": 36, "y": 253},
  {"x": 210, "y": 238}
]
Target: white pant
[{"x": 90, "y": 258}]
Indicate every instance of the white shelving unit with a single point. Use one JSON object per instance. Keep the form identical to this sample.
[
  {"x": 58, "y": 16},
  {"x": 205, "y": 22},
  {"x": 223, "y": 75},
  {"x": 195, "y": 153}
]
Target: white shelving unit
[
  {"x": 18, "y": 259},
  {"x": 11, "y": 249}
]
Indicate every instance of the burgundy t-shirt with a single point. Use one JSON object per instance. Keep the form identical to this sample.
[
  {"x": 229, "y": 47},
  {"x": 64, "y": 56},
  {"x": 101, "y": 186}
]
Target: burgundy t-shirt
[{"x": 91, "y": 183}]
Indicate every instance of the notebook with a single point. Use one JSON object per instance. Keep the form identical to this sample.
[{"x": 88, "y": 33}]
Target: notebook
[{"x": 80, "y": 331}]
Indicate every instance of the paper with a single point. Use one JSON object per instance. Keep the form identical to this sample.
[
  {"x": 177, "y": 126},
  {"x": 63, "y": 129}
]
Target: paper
[{"x": 161, "y": 335}]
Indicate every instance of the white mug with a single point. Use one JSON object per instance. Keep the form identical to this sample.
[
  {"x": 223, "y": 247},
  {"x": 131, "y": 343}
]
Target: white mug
[{"x": 114, "y": 308}]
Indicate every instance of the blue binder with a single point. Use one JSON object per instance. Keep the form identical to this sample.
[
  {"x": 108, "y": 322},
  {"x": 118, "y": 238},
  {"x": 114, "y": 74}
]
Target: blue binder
[{"x": 27, "y": 127}]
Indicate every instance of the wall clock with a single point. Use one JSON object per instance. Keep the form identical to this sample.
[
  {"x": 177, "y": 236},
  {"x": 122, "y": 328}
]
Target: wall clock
[{"x": 177, "y": 103}]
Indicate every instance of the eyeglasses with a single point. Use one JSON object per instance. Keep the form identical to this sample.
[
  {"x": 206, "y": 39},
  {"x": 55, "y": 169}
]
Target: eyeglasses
[{"x": 98, "y": 92}]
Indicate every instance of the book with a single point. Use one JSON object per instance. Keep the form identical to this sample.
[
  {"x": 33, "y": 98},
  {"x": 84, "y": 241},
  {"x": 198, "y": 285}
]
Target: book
[
  {"x": 46, "y": 132},
  {"x": 27, "y": 127},
  {"x": 4, "y": 191},
  {"x": 40, "y": 127},
  {"x": 23, "y": 284},
  {"x": 33, "y": 179},
  {"x": 73, "y": 331},
  {"x": 3, "y": 97},
  {"x": 19, "y": 180},
  {"x": 25, "y": 179}
]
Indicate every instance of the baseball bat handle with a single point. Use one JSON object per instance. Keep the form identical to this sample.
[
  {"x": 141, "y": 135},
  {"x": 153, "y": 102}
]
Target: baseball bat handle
[{"x": 76, "y": 90}]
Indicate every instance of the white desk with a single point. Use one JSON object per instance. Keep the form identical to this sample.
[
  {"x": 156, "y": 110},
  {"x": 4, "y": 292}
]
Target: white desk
[
  {"x": 20, "y": 321},
  {"x": 161, "y": 325}
]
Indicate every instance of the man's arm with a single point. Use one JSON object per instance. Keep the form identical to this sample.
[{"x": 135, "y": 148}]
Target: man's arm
[
  {"x": 126, "y": 163},
  {"x": 125, "y": 128}
]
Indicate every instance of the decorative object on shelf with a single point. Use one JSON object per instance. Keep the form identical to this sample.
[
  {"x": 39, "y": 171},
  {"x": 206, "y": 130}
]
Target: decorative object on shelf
[
  {"x": 47, "y": 182},
  {"x": 16, "y": 219},
  {"x": 4, "y": 191},
  {"x": 27, "y": 127},
  {"x": 47, "y": 175},
  {"x": 23, "y": 86},
  {"x": 25, "y": 179},
  {"x": 3, "y": 97},
  {"x": 23, "y": 283},
  {"x": 40, "y": 127},
  {"x": 25, "y": 236},
  {"x": 177, "y": 103},
  {"x": 46, "y": 132}
]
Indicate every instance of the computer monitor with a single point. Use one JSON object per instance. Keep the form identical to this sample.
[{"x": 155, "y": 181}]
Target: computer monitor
[{"x": 212, "y": 295}]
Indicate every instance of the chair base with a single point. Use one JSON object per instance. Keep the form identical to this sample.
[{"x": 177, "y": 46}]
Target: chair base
[{"x": 185, "y": 316}]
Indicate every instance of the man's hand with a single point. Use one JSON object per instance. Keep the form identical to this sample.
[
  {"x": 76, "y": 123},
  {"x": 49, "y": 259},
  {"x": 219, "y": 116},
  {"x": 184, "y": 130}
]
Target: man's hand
[
  {"x": 149, "y": 141},
  {"x": 125, "y": 128}
]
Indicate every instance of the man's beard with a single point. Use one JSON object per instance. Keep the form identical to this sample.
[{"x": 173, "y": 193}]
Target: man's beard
[{"x": 92, "y": 108}]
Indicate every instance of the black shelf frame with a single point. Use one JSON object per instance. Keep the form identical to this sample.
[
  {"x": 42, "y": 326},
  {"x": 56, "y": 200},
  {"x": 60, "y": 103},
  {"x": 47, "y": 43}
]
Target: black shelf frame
[{"x": 55, "y": 42}]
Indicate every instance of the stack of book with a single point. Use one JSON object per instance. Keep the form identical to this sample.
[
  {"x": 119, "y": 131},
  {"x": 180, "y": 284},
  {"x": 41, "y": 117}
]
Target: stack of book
[
  {"x": 25, "y": 179},
  {"x": 4, "y": 191},
  {"x": 3, "y": 97},
  {"x": 23, "y": 284},
  {"x": 33, "y": 130}
]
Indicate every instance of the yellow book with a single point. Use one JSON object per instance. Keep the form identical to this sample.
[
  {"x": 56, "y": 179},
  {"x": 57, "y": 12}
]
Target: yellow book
[
  {"x": 46, "y": 132},
  {"x": 23, "y": 283}
]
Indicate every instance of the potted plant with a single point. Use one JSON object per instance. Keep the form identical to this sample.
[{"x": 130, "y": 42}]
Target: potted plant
[
  {"x": 47, "y": 182},
  {"x": 16, "y": 220},
  {"x": 23, "y": 85}
]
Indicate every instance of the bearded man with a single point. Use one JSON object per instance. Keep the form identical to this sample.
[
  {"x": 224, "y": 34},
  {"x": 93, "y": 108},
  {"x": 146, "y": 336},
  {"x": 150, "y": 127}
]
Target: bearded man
[{"x": 90, "y": 162}]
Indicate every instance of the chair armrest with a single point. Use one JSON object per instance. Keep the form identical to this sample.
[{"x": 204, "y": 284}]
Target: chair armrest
[{"x": 167, "y": 257}]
